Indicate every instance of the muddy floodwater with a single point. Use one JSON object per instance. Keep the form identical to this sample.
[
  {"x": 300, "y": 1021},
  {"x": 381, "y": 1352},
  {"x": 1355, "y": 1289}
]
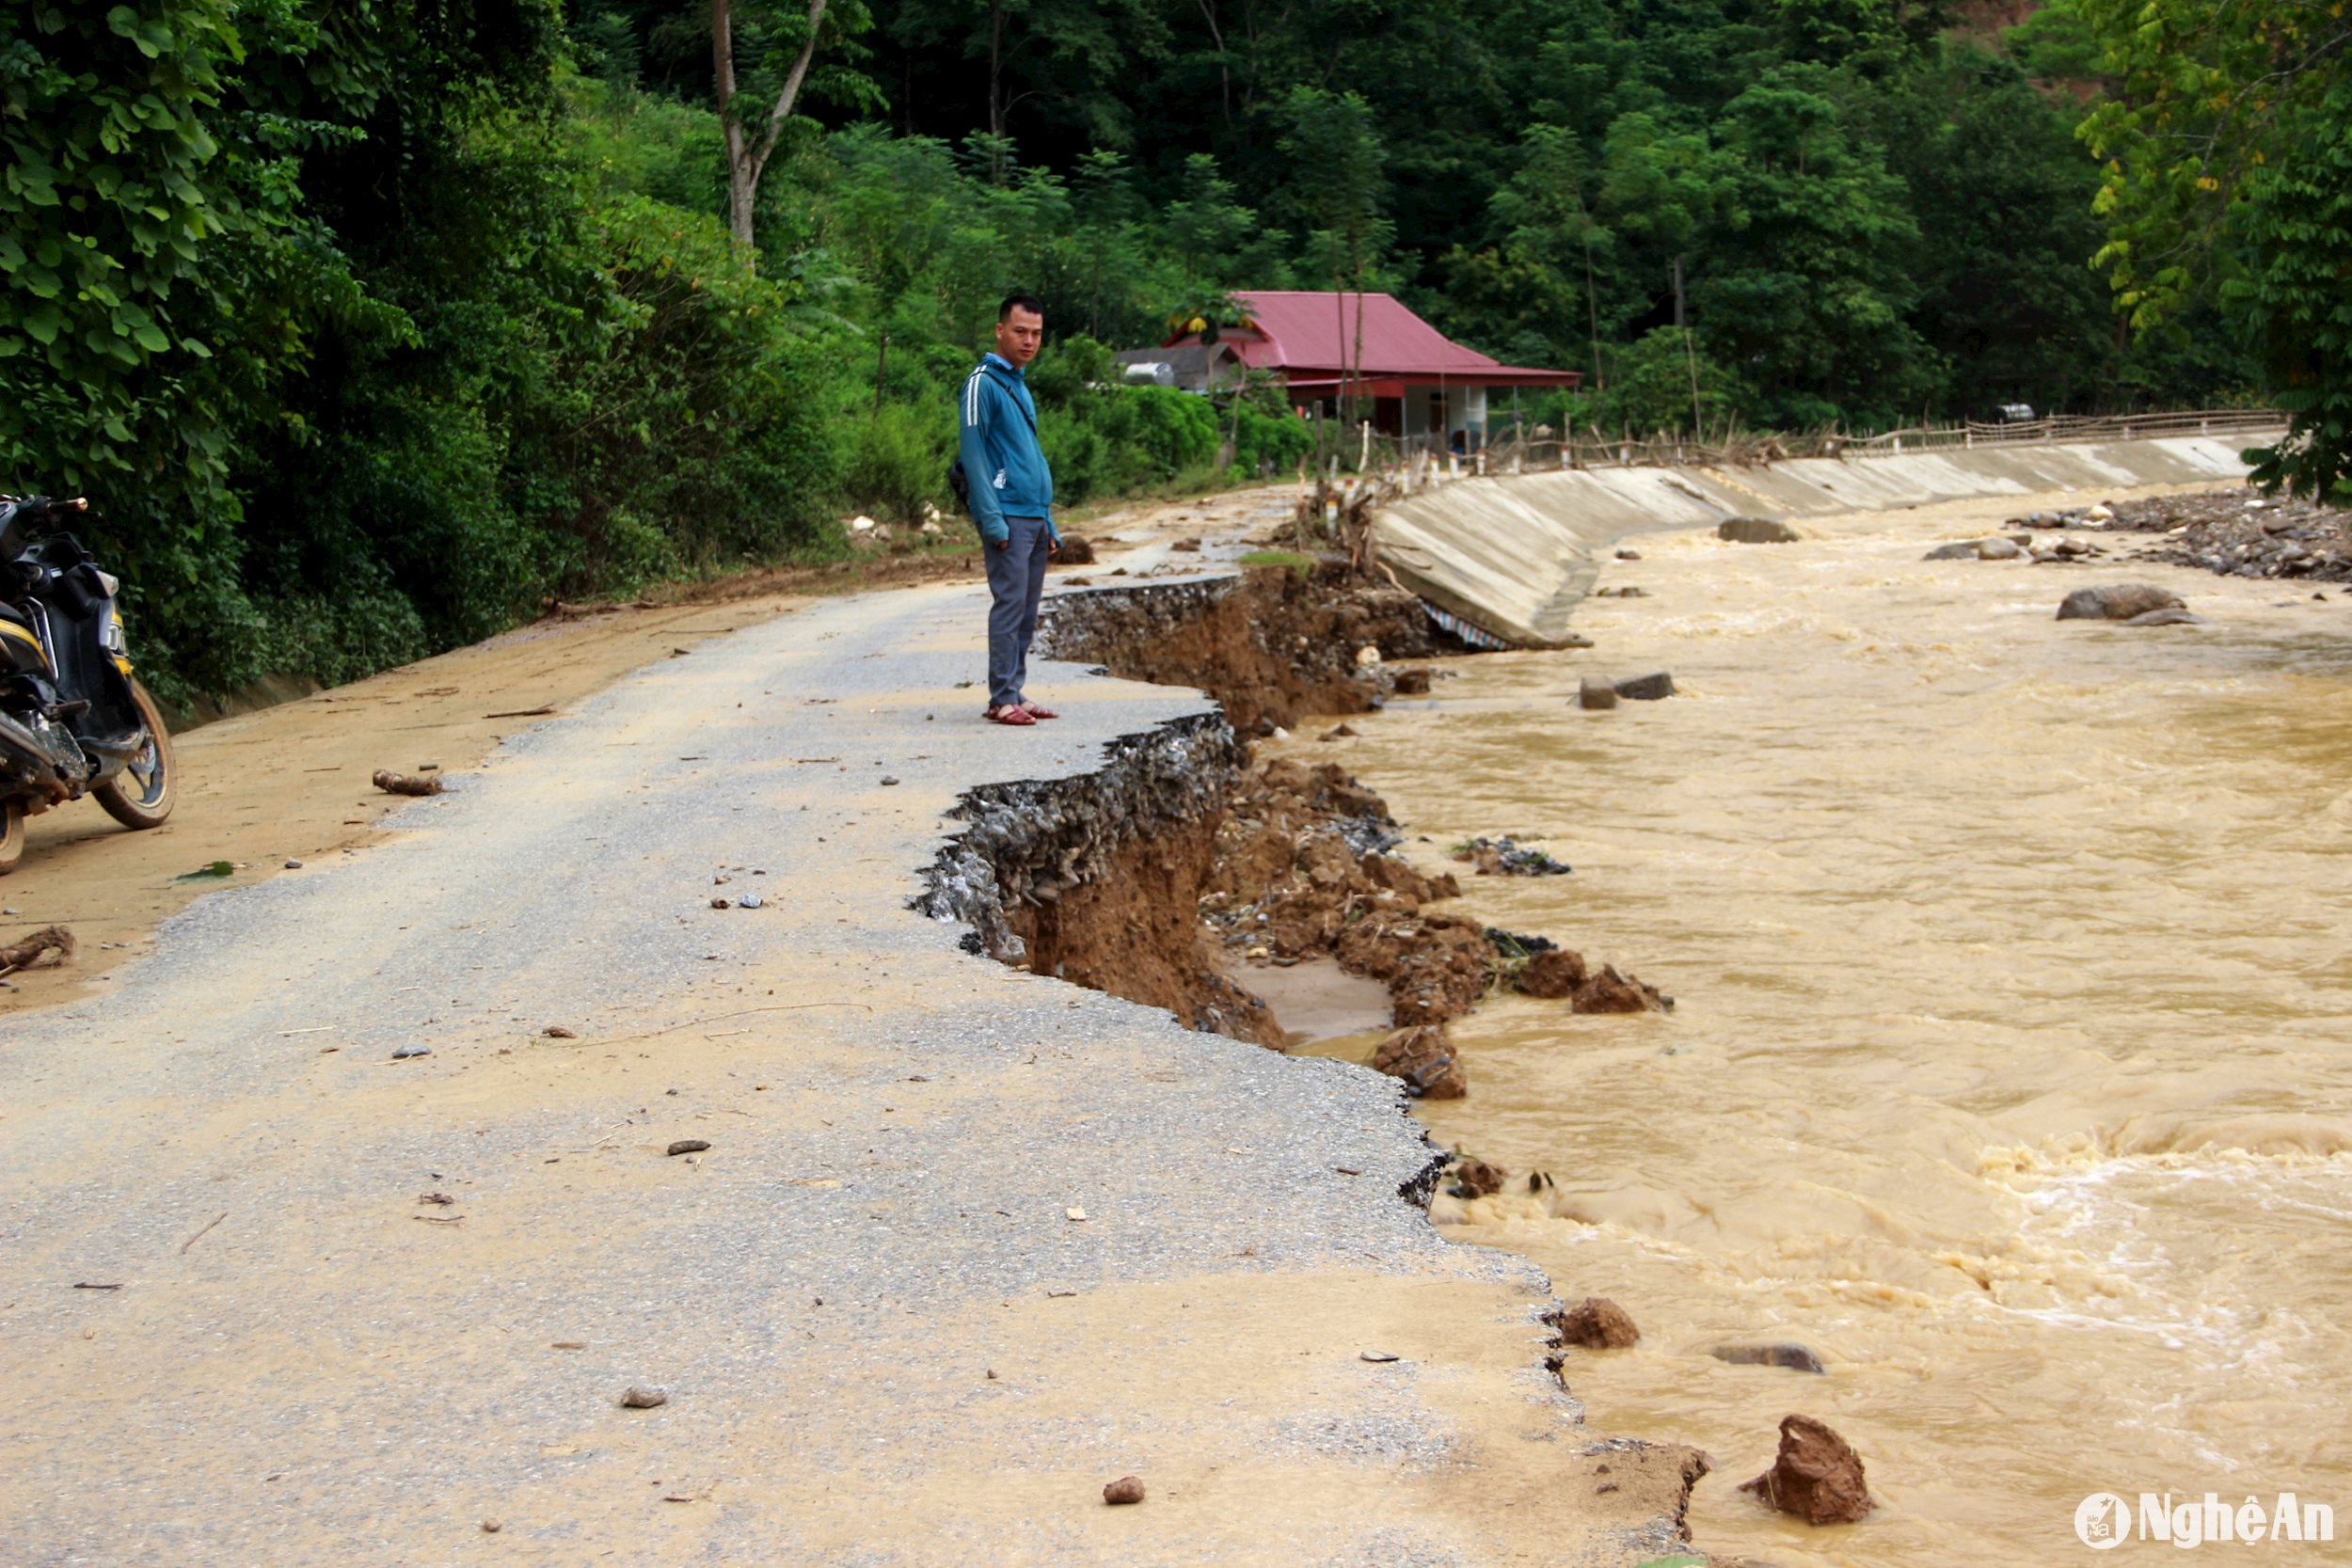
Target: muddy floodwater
[{"x": 2012, "y": 1065}]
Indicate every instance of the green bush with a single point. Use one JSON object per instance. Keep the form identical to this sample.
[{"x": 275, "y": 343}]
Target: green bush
[
  {"x": 897, "y": 462},
  {"x": 1269, "y": 443},
  {"x": 1082, "y": 459},
  {"x": 1154, "y": 433}
]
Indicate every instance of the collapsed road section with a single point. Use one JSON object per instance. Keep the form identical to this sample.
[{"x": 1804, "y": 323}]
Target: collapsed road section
[{"x": 1165, "y": 875}]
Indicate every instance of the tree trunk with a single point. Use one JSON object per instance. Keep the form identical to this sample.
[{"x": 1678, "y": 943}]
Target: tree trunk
[
  {"x": 747, "y": 161},
  {"x": 722, "y": 64},
  {"x": 996, "y": 70}
]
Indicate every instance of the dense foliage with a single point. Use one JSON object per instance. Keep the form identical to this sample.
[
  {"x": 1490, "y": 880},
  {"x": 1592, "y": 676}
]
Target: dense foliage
[
  {"x": 374, "y": 323},
  {"x": 2228, "y": 148}
]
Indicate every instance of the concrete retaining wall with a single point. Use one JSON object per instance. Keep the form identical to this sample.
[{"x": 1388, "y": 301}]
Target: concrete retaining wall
[{"x": 1512, "y": 556}]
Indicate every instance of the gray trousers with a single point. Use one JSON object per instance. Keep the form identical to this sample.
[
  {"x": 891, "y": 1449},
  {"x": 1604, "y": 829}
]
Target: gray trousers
[{"x": 1016, "y": 579}]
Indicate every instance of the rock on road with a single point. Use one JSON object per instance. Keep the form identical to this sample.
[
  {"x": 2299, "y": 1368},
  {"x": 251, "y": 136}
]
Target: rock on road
[{"x": 882, "y": 1338}]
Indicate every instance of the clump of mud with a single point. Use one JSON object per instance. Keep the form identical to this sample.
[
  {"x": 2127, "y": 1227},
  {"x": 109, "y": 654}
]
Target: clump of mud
[{"x": 1303, "y": 870}]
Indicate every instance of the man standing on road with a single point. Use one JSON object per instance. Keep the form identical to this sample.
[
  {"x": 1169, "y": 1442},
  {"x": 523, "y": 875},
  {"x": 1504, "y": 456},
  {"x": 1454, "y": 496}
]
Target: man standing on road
[{"x": 1011, "y": 495}]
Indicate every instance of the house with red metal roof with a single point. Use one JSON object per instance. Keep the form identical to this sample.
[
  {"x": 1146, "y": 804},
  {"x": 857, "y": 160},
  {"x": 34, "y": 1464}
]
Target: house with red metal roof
[{"x": 1323, "y": 346}]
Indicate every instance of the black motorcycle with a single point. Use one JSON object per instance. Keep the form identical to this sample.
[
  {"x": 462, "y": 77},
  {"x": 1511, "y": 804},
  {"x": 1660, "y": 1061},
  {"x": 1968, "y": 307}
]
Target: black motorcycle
[{"x": 72, "y": 720}]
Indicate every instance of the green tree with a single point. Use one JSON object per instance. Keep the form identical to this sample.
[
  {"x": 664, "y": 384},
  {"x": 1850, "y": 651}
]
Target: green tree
[
  {"x": 1339, "y": 187},
  {"x": 2226, "y": 172},
  {"x": 1808, "y": 291},
  {"x": 146, "y": 305},
  {"x": 775, "y": 51}
]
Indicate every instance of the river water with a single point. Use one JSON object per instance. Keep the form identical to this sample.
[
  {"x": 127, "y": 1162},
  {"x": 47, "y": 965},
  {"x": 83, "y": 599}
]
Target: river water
[{"x": 2012, "y": 1065}]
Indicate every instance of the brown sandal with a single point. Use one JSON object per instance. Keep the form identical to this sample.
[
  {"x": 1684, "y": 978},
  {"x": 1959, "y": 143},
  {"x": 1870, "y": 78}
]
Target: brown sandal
[
  {"x": 1038, "y": 710},
  {"x": 1016, "y": 716}
]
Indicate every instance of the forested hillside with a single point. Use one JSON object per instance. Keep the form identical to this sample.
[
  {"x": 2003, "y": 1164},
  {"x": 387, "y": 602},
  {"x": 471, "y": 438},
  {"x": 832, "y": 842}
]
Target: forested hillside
[{"x": 370, "y": 323}]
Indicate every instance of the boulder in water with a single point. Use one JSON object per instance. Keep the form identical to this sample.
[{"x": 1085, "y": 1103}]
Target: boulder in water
[
  {"x": 1793, "y": 1357},
  {"x": 1818, "y": 1476},
  {"x": 1424, "y": 1058},
  {"x": 1757, "y": 530},
  {"x": 1611, "y": 992},
  {"x": 2117, "y": 601},
  {"x": 1598, "y": 1323},
  {"x": 1552, "y": 975}
]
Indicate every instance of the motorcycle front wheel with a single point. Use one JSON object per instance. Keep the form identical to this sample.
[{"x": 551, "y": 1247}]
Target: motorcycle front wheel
[
  {"x": 142, "y": 795},
  {"x": 11, "y": 835}
]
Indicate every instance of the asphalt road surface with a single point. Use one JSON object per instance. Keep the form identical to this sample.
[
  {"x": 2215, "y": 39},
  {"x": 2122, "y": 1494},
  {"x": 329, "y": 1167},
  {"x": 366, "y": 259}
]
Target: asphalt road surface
[{"x": 237, "y": 1327}]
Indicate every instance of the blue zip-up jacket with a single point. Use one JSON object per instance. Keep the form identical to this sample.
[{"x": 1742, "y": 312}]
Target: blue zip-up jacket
[{"x": 996, "y": 437}]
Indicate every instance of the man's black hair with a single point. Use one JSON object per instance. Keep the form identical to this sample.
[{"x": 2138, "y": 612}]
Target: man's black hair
[{"x": 1019, "y": 302}]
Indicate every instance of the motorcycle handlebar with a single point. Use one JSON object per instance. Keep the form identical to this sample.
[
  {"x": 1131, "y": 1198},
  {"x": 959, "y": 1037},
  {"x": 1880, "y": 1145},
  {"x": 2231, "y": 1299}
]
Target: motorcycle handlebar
[{"x": 50, "y": 506}]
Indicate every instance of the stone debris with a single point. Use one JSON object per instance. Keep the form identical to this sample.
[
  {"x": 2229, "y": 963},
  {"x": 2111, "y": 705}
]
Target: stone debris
[
  {"x": 49, "y": 943},
  {"x": 1594, "y": 692},
  {"x": 1555, "y": 975},
  {"x": 1817, "y": 1477},
  {"x": 2237, "y": 533},
  {"x": 689, "y": 1146},
  {"x": 1424, "y": 1058},
  {"x": 404, "y": 1052},
  {"x": 406, "y": 783},
  {"x": 1474, "y": 1178},
  {"x": 1413, "y": 682},
  {"x": 1611, "y": 992},
  {"x": 1507, "y": 857},
  {"x": 1654, "y": 687},
  {"x": 1782, "y": 1353},
  {"x": 2120, "y": 601},
  {"x": 1126, "y": 1489},
  {"x": 557, "y": 1032},
  {"x": 1757, "y": 530},
  {"x": 644, "y": 1396},
  {"x": 1597, "y": 1323}
]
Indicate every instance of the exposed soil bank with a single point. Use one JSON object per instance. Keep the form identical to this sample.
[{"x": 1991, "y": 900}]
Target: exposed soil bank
[
  {"x": 1270, "y": 646},
  {"x": 1096, "y": 880},
  {"x": 1130, "y": 879}
]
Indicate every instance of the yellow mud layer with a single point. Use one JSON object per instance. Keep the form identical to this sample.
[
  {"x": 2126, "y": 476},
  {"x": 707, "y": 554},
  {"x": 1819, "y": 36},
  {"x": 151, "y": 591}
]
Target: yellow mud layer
[{"x": 2010, "y": 1070}]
